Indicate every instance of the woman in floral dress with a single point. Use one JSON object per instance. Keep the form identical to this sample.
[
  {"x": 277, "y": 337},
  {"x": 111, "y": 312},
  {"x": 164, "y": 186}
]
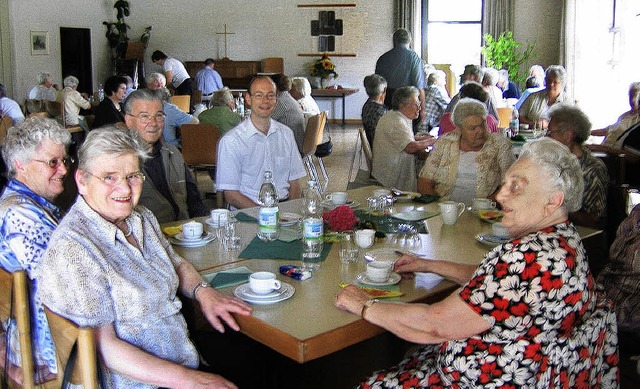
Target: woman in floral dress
[{"x": 527, "y": 316}]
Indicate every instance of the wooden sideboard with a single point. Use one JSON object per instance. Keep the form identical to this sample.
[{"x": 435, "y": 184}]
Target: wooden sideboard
[{"x": 235, "y": 74}]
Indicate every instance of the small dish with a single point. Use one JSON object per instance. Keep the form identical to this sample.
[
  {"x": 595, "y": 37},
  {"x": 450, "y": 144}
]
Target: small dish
[
  {"x": 241, "y": 292},
  {"x": 393, "y": 279},
  {"x": 404, "y": 197},
  {"x": 491, "y": 240},
  {"x": 206, "y": 238}
]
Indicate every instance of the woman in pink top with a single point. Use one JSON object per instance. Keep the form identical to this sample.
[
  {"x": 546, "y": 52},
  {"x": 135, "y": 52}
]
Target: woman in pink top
[{"x": 475, "y": 91}]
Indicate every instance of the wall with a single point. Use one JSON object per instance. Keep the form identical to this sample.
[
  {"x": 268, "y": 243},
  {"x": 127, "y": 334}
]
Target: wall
[{"x": 538, "y": 22}]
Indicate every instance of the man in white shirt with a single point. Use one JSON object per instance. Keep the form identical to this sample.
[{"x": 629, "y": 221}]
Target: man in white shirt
[
  {"x": 9, "y": 107},
  {"x": 175, "y": 72},
  {"x": 208, "y": 80},
  {"x": 45, "y": 90},
  {"x": 256, "y": 145}
]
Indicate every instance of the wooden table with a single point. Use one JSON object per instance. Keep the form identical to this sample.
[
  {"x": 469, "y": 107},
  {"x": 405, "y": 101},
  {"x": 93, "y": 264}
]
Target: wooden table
[
  {"x": 308, "y": 326},
  {"x": 334, "y": 94}
]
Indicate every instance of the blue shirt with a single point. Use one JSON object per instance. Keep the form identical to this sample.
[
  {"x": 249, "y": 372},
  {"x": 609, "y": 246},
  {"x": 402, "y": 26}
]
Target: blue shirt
[
  {"x": 27, "y": 221},
  {"x": 401, "y": 66},
  {"x": 208, "y": 81},
  {"x": 174, "y": 119}
]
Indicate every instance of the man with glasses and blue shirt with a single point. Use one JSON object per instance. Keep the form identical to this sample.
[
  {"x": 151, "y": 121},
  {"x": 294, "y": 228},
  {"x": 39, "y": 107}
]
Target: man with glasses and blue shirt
[
  {"x": 169, "y": 191},
  {"x": 256, "y": 145}
]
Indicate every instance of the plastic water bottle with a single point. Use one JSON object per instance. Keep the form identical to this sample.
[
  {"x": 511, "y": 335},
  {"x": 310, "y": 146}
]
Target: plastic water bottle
[
  {"x": 268, "y": 215},
  {"x": 100, "y": 92},
  {"x": 312, "y": 226},
  {"x": 514, "y": 123}
]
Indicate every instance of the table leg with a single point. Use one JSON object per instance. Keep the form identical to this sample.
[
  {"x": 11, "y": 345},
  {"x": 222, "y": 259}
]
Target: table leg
[{"x": 343, "y": 108}]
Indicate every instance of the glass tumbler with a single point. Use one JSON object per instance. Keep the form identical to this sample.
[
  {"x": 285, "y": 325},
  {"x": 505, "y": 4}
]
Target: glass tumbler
[
  {"x": 348, "y": 248},
  {"x": 230, "y": 238}
]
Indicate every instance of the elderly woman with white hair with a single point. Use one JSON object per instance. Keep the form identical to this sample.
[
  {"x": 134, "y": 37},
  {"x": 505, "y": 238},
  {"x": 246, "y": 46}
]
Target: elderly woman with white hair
[
  {"x": 535, "y": 108},
  {"x": 468, "y": 162},
  {"x": 221, "y": 112},
  {"x": 527, "y": 316},
  {"x": 45, "y": 89},
  {"x": 376, "y": 87},
  {"x": 35, "y": 152},
  {"x": 490, "y": 84},
  {"x": 301, "y": 91},
  {"x": 72, "y": 101},
  {"x": 135, "y": 275}
]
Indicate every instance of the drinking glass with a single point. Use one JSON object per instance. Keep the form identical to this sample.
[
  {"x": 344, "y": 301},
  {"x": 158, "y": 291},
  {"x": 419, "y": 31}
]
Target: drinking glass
[
  {"x": 230, "y": 238},
  {"x": 348, "y": 248}
]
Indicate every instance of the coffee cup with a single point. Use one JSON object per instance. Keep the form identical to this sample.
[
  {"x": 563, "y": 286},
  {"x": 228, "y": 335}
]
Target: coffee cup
[
  {"x": 192, "y": 230},
  {"x": 483, "y": 203},
  {"x": 381, "y": 192},
  {"x": 219, "y": 217},
  {"x": 338, "y": 198},
  {"x": 365, "y": 238},
  {"x": 379, "y": 271},
  {"x": 499, "y": 230},
  {"x": 263, "y": 282},
  {"x": 450, "y": 211}
]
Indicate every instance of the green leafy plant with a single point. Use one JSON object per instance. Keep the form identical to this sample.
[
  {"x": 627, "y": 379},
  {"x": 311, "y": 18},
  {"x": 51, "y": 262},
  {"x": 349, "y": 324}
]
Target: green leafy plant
[
  {"x": 117, "y": 31},
  {"x": 507, "y": 53}
]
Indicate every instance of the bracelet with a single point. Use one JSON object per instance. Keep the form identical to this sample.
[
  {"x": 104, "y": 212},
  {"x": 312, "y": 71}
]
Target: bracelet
[
  {"x": 366, "y": 306},
  {"x": 202, "y": 284}
]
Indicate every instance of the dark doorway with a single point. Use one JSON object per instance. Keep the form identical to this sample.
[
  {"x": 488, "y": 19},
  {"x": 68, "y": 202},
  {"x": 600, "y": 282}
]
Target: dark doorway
[{"x": 75, "y": 49}]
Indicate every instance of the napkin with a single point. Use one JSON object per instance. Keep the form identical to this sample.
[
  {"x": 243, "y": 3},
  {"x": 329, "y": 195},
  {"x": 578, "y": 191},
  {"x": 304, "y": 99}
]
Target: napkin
[
  {"x": 224, "y": 278},
  {"x": 246, "y": 218},
  {"x": 380, "y": 293},
  {"x": 172, "y": 231},
  {"x": 426, "y": 198},
  {"x": 387, "y": 224},
  {"x": 427, "y": 280},
  {"x": 278, "y": 250}
]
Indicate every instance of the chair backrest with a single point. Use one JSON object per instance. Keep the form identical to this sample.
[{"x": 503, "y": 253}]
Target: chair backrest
[
  {"x": 38, "y": 114},
  {"x": 504, "y": 117},
  {"x": 366, "y": 149},
  {"x": 53, "y": 108},
  {"x": 5, "y": 123},
  {"x": 65, "y": 334},
  {"x": 33, "y": 106},
  {"x": 196, "y": 97},
  {"x": 13, "y": 293},
  {"x": 313, "y": 133},
  {"x": 183, "y": 102},
  {"x": 199, "y": 144}
]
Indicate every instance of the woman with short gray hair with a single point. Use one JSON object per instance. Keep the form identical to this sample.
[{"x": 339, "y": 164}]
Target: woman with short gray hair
[
  {"x": 301, "y": 91},
  {"x": 36, "y": 156},
  {"x": 45, "y": 88},
  {"x": 468, "y": 162},
  {"x": 72, "y": 101},
  {"x": 221, "y": 113},
  {"x": 373, "y": 108},
  {"x": 534, "y": 111},
  {"x": 395, "y": 147}
]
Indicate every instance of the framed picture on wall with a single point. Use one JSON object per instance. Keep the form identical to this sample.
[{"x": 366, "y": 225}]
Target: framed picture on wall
[{"x": 39, "y": 42}]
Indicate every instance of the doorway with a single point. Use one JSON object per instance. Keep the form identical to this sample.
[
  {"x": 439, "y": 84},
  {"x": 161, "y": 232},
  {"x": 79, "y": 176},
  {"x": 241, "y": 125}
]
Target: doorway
[{"x": 75, "y": 54}]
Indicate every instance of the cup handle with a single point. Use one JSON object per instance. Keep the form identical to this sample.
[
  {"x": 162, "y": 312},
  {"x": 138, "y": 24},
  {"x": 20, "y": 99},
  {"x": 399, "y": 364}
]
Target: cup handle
[
  {"x": 461, "y": 208},
  {"x": 328, "y": 197},
  {"x": 493, "y": 204},
  {"x": 276, "y": 284}
]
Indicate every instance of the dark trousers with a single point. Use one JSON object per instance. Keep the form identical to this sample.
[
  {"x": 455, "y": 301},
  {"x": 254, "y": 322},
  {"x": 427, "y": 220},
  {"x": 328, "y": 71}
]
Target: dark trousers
[{"x": 186, "y": 88}]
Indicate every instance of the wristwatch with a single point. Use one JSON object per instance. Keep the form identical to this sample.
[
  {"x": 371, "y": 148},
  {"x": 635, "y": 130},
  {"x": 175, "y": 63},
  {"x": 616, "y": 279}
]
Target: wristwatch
[
  {"x": 366, "y": 306},
  {"x": 203, "y": 284}
]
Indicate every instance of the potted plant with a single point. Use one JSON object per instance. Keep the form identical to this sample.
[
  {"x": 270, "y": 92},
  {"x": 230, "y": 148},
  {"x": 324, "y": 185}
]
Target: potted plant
[
  {"x": 117, "y": 31},
  {"x": 507, "y": 53},
  {"x": 325, "y": 69}
]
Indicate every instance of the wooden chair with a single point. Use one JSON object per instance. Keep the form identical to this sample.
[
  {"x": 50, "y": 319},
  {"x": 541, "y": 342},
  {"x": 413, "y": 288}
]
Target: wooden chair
[
  {"x": 312, "y": 138},
  {"x": 33, "y": 106},
  {"x": 38, "y": 114},
  {"x": 196, "y": 98},
  {"x": 5, "y": 123},
  {"x": 366, "y": 149},
  {"x": 200, "y": 149},
  {"x": 362, "y": 177},
  {"x": 183, "y": 102},
  {"x": 54, "y": 109},
  {"x": 15, "y": 298},
  {"x": 504, "y": 117}
]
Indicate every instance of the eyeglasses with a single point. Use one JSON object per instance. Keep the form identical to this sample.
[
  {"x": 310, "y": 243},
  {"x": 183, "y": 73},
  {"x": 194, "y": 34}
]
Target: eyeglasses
[
  {"x": 261, "y": 96},
  {"x": 55, "y": 162},
  {"x": 146, "y": 118},
  {"x": 111, "y": 180}
]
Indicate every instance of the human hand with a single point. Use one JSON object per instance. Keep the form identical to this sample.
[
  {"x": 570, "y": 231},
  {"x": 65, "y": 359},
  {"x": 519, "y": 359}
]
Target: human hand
[
  {"x": 351, "y": 299},
  {"x": 218, "y": 307},
  {"x": 200, "y": 379},
  {"x": 408, "y": 264}
]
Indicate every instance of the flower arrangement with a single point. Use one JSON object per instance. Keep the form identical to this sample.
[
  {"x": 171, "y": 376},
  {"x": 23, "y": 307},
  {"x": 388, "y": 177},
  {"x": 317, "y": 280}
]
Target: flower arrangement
[
  {"x": 323, "y": 67},
  {"x": 340, "y": 219}
]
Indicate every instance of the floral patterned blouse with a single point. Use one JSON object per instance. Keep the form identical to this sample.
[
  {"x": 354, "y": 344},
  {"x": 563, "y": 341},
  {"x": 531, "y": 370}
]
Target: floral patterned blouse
[
  {"x": 26, "y": 224},
  {"x": 549, "y": 327}
]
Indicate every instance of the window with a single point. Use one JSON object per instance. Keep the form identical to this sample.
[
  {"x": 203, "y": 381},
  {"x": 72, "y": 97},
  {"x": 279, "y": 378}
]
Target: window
[{"x": 453, "y": 32}]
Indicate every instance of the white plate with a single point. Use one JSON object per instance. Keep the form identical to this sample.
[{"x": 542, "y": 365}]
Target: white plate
[
  {"x": 393, "y": 279},
  {"x": 247, "y": 292},
  {"x": 287, "y": 291},
  {"x": 330, "y": 205},
  {"x": 413, "y": 216},
  {"x": 207, "y": 237},
  {"x": 407, "y": 196},
  {"x": 289, "y": 218},
  {"x": 211, "y": 222},
  {"x": 491, "y": 240},
  {"x": 382, "y": 254}
]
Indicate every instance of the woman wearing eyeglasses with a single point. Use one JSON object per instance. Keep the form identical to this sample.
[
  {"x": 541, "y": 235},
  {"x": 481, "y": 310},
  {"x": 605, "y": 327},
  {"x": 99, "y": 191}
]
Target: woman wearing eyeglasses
[
  {"x": 36, "y": 156},
  {"x": 121, "y": 276}
]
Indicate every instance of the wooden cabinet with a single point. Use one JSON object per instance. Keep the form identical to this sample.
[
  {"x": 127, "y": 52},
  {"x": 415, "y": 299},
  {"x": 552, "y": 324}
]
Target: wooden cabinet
[{"x": 235, "y": 74}]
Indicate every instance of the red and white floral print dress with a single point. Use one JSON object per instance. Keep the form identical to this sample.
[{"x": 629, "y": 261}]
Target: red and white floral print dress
[{"x": 549, "y": 327}]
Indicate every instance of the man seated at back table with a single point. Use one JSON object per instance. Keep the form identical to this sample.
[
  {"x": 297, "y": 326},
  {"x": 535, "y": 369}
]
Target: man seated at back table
[
  {"x": 256, "y": 145},
  {"x": 169, "y": 191}
]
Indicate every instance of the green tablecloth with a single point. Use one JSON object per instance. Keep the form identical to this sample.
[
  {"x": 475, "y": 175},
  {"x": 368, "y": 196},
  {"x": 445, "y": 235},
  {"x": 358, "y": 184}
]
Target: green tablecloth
[
  {"x": 278, "y": 250},
  {"x": 388, "y": 224}
]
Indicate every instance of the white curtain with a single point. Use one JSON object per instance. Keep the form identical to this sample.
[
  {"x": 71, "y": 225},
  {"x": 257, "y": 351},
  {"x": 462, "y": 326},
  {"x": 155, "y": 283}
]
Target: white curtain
[
  {"x": 568, "y": 44},
  {"x": 497, "y": 17}
]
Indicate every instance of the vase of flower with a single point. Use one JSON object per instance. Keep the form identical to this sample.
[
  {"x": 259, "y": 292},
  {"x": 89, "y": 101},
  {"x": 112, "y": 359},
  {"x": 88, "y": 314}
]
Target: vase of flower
[
  {"x": 327, "y": 81},
  {"x": 325, "y": 69}
]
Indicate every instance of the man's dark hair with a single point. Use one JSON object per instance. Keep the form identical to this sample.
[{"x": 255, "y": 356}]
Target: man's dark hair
[{"x": 158, "y": 55}]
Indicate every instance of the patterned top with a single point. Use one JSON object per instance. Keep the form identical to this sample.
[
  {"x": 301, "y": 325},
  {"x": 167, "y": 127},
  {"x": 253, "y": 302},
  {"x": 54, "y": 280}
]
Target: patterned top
[
  {"x": 117, "y": 283},
  {"x": 620, "y": 277},
  {"x": 26, "y": 224},
  {"x": 596, "y": 183},
  {"x": 549, "y": 327},
  {"x": 435, "y": 102},
  {"x": 372, "y": 111}
]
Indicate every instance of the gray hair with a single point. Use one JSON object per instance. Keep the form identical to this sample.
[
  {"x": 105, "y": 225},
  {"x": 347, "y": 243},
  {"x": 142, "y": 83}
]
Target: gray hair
[
  {"x": 491, "y": 76},
  {"x": 437, "y": 77},
  {"x": 70, "y": 81},
  {"x": 22, "y": 140},
  {"x": 401, "y": 37},
  {"x": 301, "y": 85},
  {"x": 140, "y": 94},
  {"x": 570, "y": 117},
  {"x": 467, "y": 107},
  {"x": 561, "y": 167},
  {"x": 473, "y": 70},
  {"x": 111, "y": 141},
  {"x": 153, "y": 77},
  {"x": 374, "y": 84},
  {"x": 556, "y": 71},
  {"x": 221, "y": 97},
  {"x": 474, "y": 90},
  {"x": 402, "y": 95},
  {"x": 43, "y": 77},
  {"x": 503, "y": 75}
]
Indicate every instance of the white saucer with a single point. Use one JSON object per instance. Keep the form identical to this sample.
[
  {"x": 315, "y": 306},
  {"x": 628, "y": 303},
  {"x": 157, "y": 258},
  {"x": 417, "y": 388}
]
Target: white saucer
[
  {"x": 247, "y": 292},
  {"x": 330, "y": 205},
  {"x": 393, "y": 279},
  {"x": 382, "y": 254},
  {"x": 289, "y": 218},
  {"x": 206, "y": 238},
  {"x": 180, "y": 236},
  {"x": 212, "y": 223},
  {"x": 491, "y": 240},
  {"x": 244, "y": 292}
]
